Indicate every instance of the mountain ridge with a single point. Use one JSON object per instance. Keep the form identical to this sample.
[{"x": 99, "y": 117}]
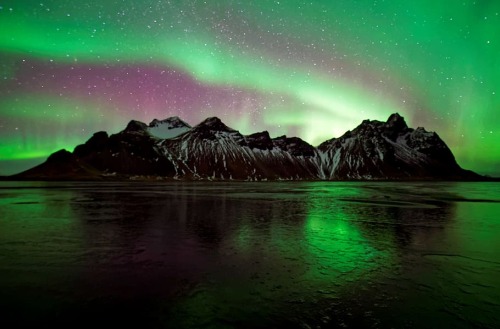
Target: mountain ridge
[{"x": 210, "y": 150}]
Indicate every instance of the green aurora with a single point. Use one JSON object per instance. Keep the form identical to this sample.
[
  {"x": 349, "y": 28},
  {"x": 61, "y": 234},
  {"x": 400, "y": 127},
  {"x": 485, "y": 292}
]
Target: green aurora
[{"x": 310, "y": 69}]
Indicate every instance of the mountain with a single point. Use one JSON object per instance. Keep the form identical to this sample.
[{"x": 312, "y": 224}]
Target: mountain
[
  {"x": 389, "y": 150},
  {"x": 171, "y": 149},
  {"x": 213, "y": 150}
]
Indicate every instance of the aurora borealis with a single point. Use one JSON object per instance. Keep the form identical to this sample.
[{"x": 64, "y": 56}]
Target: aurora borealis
[{"x": 312, "y": 69}]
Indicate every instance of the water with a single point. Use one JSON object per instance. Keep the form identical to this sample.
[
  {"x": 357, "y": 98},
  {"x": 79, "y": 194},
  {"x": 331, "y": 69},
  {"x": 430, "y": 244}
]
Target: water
[{"x": 245, "y": 255}]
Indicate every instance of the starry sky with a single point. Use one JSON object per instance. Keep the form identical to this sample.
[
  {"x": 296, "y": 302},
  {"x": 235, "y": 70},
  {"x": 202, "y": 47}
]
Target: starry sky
[{"x": 312, "y": 69}]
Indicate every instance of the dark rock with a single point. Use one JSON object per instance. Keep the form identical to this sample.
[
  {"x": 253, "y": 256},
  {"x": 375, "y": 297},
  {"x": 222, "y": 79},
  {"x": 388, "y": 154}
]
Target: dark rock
[
  {"x": 261, "y": 141},
  {"x": 60, "y": 156},
  {"x": 136, "y": 126},
  {"x": 295, "y": 146}
]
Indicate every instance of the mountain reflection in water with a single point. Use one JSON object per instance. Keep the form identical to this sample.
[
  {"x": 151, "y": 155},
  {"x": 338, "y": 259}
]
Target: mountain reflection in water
[{"x": 289, "y": 254}]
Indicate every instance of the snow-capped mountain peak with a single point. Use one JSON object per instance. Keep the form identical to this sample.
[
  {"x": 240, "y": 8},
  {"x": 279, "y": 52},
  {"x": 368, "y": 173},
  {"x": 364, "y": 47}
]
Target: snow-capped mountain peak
[{"x": 168, "y": 128}]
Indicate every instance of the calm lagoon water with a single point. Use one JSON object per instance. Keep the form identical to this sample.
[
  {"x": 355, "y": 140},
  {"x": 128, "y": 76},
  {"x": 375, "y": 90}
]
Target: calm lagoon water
[{"x": 250, "y": 255}]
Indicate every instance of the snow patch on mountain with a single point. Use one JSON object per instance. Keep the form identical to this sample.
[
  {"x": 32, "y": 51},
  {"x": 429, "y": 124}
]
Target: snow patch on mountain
[{"x": 168, "y": 128}]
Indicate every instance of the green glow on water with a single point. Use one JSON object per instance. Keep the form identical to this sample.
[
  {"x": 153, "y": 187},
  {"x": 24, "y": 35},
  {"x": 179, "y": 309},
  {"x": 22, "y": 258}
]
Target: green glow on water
[
  {"x": 216, "y": 255},
  {"x": 296, "y": 255},
  {"x": 333, "y": 239}
]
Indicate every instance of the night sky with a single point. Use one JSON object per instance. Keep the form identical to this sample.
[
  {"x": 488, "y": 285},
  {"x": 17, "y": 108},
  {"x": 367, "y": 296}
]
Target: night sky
[{"x": 312, "y": 69}]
